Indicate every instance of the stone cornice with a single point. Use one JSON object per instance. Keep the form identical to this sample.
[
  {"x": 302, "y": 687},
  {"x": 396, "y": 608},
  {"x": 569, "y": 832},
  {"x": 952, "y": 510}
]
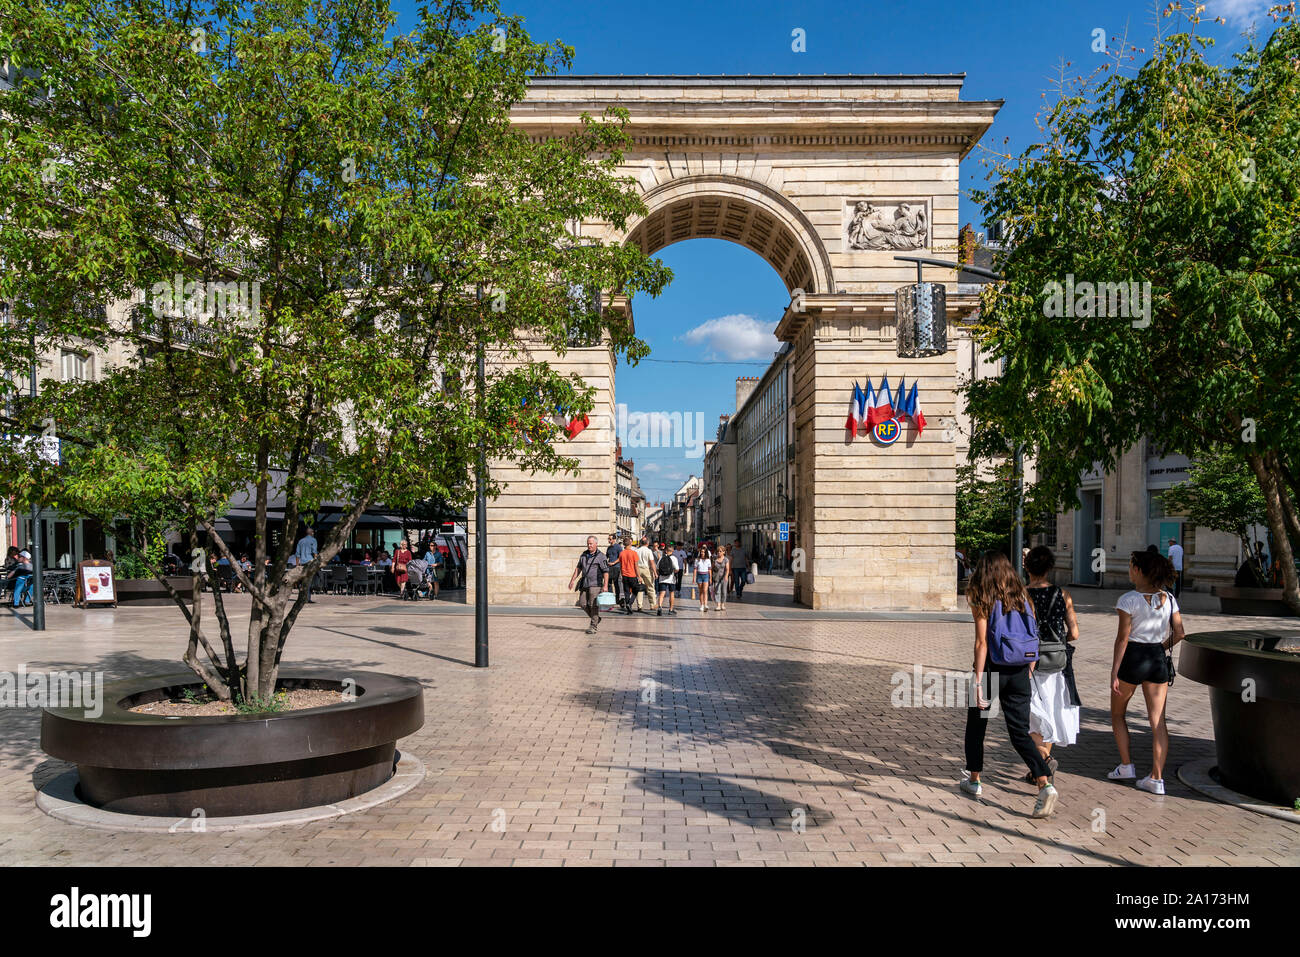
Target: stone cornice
[
  {"x": 810, "y": 123},
  {"x": 853, "y": 308}
]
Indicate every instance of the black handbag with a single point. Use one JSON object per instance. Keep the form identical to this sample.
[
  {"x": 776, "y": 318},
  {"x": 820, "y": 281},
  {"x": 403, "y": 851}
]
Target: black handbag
[{"x": 1053, "y": 653}]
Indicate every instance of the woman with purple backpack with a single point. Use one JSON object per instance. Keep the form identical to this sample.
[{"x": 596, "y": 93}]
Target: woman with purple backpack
[{"x": 1006, "y": 648}]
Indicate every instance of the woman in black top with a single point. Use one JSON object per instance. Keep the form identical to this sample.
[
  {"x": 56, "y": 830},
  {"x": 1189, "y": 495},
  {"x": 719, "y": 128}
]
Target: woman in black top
[{"x": 1055, "y": 705}]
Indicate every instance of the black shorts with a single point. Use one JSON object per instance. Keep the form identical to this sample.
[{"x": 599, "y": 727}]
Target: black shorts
[{"x": 1143, "y": 661}]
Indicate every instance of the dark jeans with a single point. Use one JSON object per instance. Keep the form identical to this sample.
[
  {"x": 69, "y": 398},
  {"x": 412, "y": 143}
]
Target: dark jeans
[
  {"x": 1014, "y": 688},
  {"x": 738, "y": 580},
  {"x": 631, "y": 585},
  {"x": 1178, "y": 584},
  {"x": 22, "y": 589}
]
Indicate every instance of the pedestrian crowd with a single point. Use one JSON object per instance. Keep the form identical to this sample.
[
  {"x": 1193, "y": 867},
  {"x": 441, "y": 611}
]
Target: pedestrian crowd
[{"x": 652, "y": 577}]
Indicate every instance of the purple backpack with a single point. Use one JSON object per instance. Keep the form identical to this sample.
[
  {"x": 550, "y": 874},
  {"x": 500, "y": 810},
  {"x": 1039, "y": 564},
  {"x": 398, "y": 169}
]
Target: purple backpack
[{"x": 1012, "y": 637}]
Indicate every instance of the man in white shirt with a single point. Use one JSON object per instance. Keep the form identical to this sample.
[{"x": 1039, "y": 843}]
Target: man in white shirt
[
  {"x": 645, "y": 573},
  {"x": 1176, "y": 556}
]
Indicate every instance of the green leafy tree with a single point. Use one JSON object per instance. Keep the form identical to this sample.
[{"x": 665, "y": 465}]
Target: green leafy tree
[
  {"x": 1182, "y": 174},
  {"x": 1220, "y": 493},
  {"x": 986, "y": 509},
  {"x": 388, "y": 221}
]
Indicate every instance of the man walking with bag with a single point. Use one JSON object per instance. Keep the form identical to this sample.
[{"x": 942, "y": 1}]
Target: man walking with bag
[
  {"x": 591, "y": 577},
  {"x": 739, "y": 569},
  {"x": 645, "y": 573}
]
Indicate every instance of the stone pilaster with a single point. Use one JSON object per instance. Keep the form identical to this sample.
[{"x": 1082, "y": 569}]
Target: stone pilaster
[
  {"x": 876, "y": 522},
  {"x": 540, "y": 522}
]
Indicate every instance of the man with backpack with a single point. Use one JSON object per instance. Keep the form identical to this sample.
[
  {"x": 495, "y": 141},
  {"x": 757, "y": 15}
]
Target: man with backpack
[{"x": 667, "y": 572}]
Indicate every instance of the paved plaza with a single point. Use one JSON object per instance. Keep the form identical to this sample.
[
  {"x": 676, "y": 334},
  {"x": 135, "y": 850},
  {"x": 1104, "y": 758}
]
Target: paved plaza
[{"x": 762, "y": 735}]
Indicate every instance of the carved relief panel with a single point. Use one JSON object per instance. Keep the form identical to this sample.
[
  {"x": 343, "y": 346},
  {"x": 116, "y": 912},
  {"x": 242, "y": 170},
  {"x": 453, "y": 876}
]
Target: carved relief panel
[{"x": 892, "y": 224}]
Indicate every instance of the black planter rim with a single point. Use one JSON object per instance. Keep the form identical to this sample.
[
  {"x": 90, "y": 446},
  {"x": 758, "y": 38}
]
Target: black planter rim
[{"x": 387, "y": 707}]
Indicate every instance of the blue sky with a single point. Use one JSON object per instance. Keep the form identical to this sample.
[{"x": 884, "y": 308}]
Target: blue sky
[{"x": 1009, "y": 50}]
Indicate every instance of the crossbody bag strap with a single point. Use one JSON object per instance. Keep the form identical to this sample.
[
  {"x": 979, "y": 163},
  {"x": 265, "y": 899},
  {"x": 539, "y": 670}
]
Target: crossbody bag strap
[{"x": 1059, "y": 596}]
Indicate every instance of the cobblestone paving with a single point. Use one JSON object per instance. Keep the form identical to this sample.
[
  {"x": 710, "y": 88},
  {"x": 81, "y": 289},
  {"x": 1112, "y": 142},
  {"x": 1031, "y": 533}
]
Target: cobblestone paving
[{"x": 724, "y": 739}]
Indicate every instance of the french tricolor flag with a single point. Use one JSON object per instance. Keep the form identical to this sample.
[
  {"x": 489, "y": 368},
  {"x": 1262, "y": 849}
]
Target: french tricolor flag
[
  {"x": 857, "y": 410},
  {"x": 882, "y": 406},
  {"x": 864, "y": 411},
  {"x": 900, "y": 399},
  {"x": 914, "y": 410}
]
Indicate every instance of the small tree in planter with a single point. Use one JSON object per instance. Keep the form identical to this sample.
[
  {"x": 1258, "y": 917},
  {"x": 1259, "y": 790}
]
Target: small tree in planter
[{"x": 304, "y": 204}]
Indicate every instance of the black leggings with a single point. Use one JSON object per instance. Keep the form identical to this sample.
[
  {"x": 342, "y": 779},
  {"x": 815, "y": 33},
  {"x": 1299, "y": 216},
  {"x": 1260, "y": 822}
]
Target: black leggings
[{"x": 1014, "y": 689}]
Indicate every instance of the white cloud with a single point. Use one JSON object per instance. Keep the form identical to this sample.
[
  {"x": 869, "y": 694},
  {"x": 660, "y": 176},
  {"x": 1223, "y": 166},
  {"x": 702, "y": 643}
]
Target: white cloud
[
  {"x": 734, "y": 337},
  {"x": 1241, "y": 13}
]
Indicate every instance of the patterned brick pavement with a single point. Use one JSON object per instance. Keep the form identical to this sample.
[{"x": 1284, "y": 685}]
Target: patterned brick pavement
[{"x": 726, "y": 739}]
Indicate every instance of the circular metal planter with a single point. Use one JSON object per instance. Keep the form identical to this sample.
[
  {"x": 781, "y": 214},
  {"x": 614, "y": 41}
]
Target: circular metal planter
[
  {"x": 1255, "y": 704},
  {"x": 235, "y": 764}
]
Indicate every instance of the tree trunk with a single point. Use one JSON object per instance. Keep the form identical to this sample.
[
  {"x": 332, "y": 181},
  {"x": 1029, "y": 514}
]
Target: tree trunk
[{"x": 1270, "y": 479}]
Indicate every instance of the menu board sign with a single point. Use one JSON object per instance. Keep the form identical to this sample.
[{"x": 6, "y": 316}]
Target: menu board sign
[{"x": 95, "y": 585}]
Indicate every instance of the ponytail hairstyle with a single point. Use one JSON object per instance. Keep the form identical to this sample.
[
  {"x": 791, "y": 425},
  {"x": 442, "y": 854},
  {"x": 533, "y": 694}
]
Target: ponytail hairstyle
[
  {"x": 995, "y": 580},
  {"x": 1155, "y": 568}
]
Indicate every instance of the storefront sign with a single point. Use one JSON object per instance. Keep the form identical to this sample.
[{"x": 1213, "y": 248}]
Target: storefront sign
[{"x": 95, "y": 585}]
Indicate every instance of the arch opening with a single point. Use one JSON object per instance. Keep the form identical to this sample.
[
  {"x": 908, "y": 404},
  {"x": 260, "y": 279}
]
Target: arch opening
[{"x": 738, "y": 211}]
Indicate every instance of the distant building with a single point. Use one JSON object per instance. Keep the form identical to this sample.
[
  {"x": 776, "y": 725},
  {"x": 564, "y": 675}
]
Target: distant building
[
  {"x": 763, "y": 430},
  {"x": 719, "y": 484},
  {"x": 680, "y": 521},
  {"x": 628, "y": 498}
]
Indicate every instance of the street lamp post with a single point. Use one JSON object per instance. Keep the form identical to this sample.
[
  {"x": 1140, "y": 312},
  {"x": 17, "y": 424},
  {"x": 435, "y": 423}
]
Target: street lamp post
[
  {"x": 480, "y": 515},
  {"x": 38, "y": 561}
]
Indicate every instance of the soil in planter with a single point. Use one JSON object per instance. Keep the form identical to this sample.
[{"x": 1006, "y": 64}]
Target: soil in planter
[{"x": 207, "y": 705}]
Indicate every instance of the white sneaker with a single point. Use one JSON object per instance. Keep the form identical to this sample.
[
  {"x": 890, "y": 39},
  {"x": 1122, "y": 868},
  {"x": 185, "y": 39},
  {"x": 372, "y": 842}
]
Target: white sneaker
[
  {"x": 1124, "y": 772},
  {"x": 1046, "y": 802},
  {"x": 1149, "y": 783}
]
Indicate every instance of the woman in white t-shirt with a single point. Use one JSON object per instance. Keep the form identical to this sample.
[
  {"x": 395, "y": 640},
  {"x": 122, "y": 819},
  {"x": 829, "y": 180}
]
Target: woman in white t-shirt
[
  {"x": 1150, "y": 624},
  {"x": 703, "y": 566}
]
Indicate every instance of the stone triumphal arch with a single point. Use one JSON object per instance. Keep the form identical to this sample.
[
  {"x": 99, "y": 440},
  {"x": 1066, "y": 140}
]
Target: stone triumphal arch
[{"x": 827, "y": 178}]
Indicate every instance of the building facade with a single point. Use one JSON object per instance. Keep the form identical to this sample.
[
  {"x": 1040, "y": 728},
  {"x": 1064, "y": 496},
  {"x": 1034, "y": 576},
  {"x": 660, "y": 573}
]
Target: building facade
[
  {"x": 1123, "y": 511},
  {"x": 680, "y": 518},
  {"x": 765, "y": 478},
  {"x": 626, "y": 519},
  {"x": 719, "y": 484}
]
